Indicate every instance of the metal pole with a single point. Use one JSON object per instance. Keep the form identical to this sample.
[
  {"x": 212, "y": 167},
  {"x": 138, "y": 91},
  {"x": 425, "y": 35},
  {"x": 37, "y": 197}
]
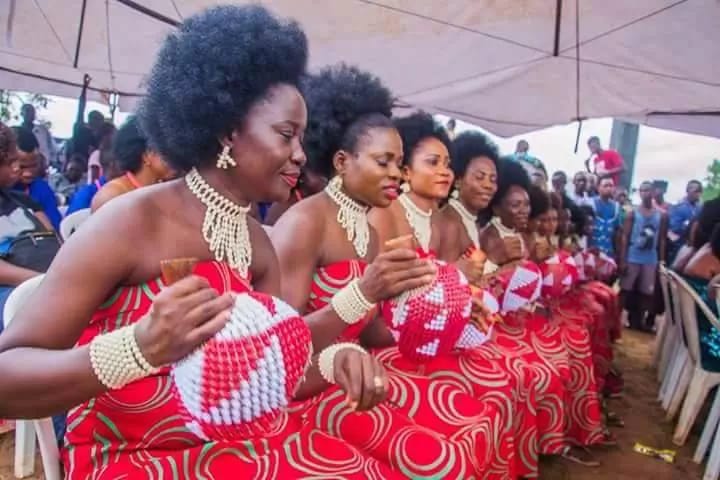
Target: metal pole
[{"x": 624, "y": 139}]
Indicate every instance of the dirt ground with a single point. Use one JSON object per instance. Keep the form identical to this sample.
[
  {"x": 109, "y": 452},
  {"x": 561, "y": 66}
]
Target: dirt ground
[{"x": 644, "y": 422}]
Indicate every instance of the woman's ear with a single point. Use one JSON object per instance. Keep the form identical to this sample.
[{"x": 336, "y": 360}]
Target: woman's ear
[{"x": 340, "y": 161}]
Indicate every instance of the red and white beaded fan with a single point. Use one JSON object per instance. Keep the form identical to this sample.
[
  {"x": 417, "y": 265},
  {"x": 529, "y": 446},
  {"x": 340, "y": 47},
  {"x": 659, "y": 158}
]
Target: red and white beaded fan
[
  {"x": 238, "y": 382},
  {"x": 518, "y": 286},
  {"x": 559, "y": 273},
  {"x": 428, "y": 322},
  {"x": 606, "y": 266},
  {"x": 472, "y": 336}
]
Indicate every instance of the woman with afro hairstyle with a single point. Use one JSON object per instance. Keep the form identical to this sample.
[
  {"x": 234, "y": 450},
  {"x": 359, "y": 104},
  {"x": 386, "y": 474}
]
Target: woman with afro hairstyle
[
  {"x": 536, "y": 384},
  {"x": 329, "y": 252},
  {"x": 565, "y": 348},
  {"x": 141, "y": 165},
  {"x": 491, "y": 374},
  {"x": 223, "y": 107},
  {"x": 577, "y": 307}
]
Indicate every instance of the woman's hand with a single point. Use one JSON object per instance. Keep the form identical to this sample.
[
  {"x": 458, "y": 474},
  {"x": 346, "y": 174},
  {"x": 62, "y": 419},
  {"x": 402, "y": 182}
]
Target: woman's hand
[
  {"x": 543, "y": 250},
  {"x": 394, "y": 272},
  {"x": 513, "y": 248},
  {"x": 361, "y": 377},
  {"x": 472, "y": 269},
  {"x": 482, "y": 316},
  {"x": 183, "y": 317}
]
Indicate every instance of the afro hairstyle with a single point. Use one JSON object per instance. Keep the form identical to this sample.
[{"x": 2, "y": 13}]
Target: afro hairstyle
[
  {"x": 129, "y": 145},
  {"x": 343, "y": 103},
  {"x": 417, "y": 127},
  {"x": 208, "y": 75},
  {"x": 539, "y": 201},
  {"x": 468, "y": 146},
  {"x": 510, "y": 174}
]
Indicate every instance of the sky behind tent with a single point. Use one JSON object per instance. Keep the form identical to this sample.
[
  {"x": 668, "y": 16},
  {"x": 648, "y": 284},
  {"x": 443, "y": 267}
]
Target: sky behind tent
[{"x": 661, "y": 154}]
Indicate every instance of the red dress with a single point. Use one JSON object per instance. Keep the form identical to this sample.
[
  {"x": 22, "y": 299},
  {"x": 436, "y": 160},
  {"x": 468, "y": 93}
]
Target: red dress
[
  {"x": 565, "y": 350},
  {"x": 427, "y": 428},
  {"x": 137, "y": 432}
]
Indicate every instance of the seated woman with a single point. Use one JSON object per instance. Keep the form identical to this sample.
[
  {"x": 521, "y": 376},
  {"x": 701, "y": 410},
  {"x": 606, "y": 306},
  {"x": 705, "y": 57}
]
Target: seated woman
[
  {"x": 701, "y": 273},
  {"x": 575, "y": 306},
  {"x": 142, "y": 166},
  {"x": 19, "y": 214},
  {"x": 333, "y": 270},
  {"x": 308, "y": 184},
  {"x": 29, "y": 180},
  {"x": 565, "y": 348},
  {"x": 117, "y": 327},
  {"x": 493, "y": 374}
]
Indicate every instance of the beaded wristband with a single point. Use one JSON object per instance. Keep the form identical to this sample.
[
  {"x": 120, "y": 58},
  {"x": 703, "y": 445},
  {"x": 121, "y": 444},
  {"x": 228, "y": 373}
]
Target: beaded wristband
[
  {"x": 350, "y": 304},
  {"x": 116, "y": 358},
  {"x": 326, "y": 359}
]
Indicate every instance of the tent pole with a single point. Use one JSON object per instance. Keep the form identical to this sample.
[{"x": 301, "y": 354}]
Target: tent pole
[
  {"x": 624, "y": 139},
  {"x": 81, "y": 27},
  {"x": 149, "y": 12},
  {"x": 558, "y": 21}
]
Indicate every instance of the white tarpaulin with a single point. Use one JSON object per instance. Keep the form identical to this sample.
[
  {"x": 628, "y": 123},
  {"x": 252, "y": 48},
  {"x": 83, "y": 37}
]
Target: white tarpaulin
[{"x": 510, "y": 66}]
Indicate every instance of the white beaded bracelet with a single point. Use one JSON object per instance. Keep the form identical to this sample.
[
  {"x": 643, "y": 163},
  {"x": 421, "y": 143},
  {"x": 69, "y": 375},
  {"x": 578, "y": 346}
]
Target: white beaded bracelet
[
  {"x": 326, "y": 359},
  {"x": 116, "y": 358},
  {"x": 350, "y": 304}
]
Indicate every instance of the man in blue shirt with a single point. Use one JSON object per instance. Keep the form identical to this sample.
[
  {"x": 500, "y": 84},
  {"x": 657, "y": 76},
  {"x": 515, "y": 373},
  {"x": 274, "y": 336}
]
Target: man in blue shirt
[
  {"x": 607, "y": 218},
  {"x": 682, "y": 215}
]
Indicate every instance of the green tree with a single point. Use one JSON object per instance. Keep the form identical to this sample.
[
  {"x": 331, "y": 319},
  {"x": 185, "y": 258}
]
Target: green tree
[
  {"x": 712, "y": 181},
  {"x": 11, "y": 101}
]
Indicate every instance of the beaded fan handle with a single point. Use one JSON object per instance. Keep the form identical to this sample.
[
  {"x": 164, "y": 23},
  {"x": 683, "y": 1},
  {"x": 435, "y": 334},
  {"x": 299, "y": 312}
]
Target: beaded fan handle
[
  {"x": 404, "y": 241},
  {"x": 176, "y": 269}
]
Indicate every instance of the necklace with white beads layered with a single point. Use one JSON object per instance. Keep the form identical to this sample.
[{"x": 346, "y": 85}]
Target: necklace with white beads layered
[
  {"x": 225, "y": 227},
  {"x": 352, "y": 216},
  {"x": 419, "y": 221},
  {"x": 468, "y": 220}
]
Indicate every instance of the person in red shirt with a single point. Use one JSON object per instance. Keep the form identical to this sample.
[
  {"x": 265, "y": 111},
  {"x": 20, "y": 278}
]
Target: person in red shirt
[{"x": 606, "y": 163}]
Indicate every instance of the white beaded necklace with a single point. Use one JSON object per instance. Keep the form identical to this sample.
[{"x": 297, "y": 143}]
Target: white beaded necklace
[
  {"x": 225, "y": 226},
  {"x": 468, "y": 220},
  {"x": 352, "y": 216},
  {"x": 502, "y": 229},
  {"x": 419, "y": 221}
]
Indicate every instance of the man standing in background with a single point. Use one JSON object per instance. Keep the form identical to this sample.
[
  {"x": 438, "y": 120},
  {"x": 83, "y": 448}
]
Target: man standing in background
[
  {"x": 606, "y": 234},
  {"x": 642, "y": 249},
  {"x": 45, "y": 143},
  {"x": 605, "y": 163},
  {"x": 682, "y": 215},
  {"x": 579, "y": 194}
]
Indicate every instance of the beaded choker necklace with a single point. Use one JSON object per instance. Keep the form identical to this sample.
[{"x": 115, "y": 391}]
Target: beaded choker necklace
[
  {"x": 469, "y": 220},
  {"x": 352, "y": 216},
  {"x": 225, "y": 226},
  {"x": 419, "y": 221}
]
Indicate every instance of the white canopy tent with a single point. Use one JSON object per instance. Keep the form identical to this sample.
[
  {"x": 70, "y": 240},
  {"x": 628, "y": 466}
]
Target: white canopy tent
[{"x": 510, "y": 66}]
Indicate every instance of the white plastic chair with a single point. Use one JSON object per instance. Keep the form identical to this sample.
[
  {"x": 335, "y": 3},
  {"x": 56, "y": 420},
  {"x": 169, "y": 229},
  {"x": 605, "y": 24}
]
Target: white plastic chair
[
  {"x": 679, "y": 365},
  {"x": 701, "y": 381},
  {"x": 27, "y": 430},
  {"x": 72, "y": 222},
  {"x": 666, "y": 338}
]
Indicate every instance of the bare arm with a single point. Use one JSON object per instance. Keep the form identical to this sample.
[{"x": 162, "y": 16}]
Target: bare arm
[
  {"x": 37, "y": 358},
  {"x": 297, "y": 238},
  {"x": 108, "y": 192},
  {"x": 45, "y": 221},
  {"x": 383, "y": 222},
  {"x": 14, "y": 276}
]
